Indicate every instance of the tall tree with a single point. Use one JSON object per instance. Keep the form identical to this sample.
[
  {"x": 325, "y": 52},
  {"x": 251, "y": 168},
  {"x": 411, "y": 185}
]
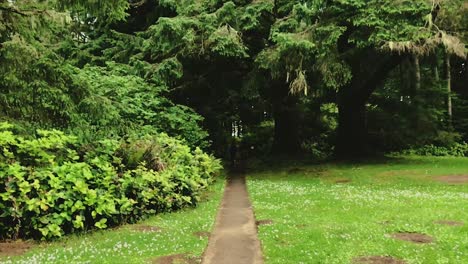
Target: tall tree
[{"x": 357, "y": 44}]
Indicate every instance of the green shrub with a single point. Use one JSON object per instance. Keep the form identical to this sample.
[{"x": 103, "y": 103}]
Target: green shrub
[
  {"x": 318, "y": 150},
  {"x": 51, "y": 186},
  {"x": 456, "y": 150}
]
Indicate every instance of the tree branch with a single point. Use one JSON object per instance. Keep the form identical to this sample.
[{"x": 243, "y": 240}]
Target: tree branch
[
  {"x": 138, "y": 4},
  {"x": 22, "y": 12},
  {"x": 380, "y": 74},
  {"x": 12, "y": 10}
]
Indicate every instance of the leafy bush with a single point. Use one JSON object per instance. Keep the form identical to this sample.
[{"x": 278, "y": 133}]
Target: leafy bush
[
  {"x": 318, "y": 150},
  {"x": 50, "y": 186},
  {"x": 446, "y": 139},
  {"x": 456, "y": 150}
]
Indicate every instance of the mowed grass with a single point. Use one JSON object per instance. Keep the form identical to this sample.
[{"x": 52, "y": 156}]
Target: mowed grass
[
  {"x": 160, "y": 235},
  {"x": 317, "y": 220}
]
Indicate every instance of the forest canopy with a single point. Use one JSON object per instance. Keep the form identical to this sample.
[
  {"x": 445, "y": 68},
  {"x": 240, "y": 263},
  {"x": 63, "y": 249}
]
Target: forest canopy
[{"x": 323, "y": 78}]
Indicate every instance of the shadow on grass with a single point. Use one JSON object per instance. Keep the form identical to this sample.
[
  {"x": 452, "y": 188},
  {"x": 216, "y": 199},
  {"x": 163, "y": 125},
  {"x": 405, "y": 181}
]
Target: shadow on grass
[{"x": 300, "y": 164}]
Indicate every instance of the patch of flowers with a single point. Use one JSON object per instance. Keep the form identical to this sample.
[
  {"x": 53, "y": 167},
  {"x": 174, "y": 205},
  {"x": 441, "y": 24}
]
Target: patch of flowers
[
  {"x": 352, "y": 193},
  {"x": 335, "y": 223}
]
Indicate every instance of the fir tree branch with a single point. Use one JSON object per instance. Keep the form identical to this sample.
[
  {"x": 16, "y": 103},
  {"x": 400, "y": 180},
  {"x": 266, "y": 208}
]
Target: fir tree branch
[
  {"x": 12, "y": 10},
  {"x": 22, "y": 12}
]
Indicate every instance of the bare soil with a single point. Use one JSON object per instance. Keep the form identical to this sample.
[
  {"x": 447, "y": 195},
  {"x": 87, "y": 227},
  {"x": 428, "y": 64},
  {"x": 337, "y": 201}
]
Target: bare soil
[
  {"x": 202, "y": 234},
  {"x": 341, "y": 181},
  {"x": 454, "y": 179},
  {"x": 449, "y": 223},
  {"x": 176, "y": 259},
  {"x": 146, "y": 228},
  {"x": 378, "y": 260},
  {"x": 414, "y": 237},
  {"x": 264, "y": 222},
  {"x": 234, "y": 239},
  {"x": 14, "y": 248}
]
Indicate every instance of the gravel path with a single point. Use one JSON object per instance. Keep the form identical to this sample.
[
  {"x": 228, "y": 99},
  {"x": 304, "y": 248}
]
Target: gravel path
[{"x": 234, "y": 239}]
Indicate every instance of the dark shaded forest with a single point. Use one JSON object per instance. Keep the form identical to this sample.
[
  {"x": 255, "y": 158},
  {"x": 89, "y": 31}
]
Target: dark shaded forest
[
  {"x": 139, "y": 89},
  {"x": 323, "y": 78}
]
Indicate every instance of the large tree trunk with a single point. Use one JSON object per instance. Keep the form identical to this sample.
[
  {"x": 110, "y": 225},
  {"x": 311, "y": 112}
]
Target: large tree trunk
[
  {"x": 416, "y": 91},
  {"x": 352, "y": 135},
  {"x": 286, "y": 115},
  {"x": 436, "y": 72},
  {"x": 352, "y": 128},
  {"x": 449, "y": 87},
  {"x": 417, "y": 78}
]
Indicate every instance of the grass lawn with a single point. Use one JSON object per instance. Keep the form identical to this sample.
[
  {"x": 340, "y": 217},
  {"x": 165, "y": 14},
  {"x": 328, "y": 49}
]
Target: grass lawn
[
  {"x": 161, "y": 235},
  {"x": 335, "y": 213}
]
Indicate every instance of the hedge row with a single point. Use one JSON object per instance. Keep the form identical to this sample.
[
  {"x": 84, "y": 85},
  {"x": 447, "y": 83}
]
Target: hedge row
[{"x": 51, "y": 186}]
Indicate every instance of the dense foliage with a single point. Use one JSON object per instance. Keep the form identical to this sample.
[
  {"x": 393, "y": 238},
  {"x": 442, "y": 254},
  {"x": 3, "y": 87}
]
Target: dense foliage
[
  {"x": 50, "y": 185},
  {"x": 343, "y": 78},
  {"x": 241, "y": 65}
]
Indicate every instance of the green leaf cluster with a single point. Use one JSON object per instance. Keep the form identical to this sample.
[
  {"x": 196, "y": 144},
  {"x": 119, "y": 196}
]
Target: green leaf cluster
[{"x": 50, "y": 185}]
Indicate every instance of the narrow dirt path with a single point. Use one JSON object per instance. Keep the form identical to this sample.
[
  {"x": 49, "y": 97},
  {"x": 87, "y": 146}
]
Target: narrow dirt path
[{"x": 234, "y": 239}]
